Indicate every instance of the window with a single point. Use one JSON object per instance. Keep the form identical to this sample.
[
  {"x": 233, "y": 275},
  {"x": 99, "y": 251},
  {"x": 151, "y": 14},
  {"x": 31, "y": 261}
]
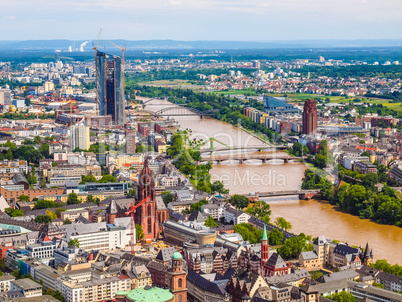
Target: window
[
  {"x": 149, "y": 225},
  {"x": 180, "y": 297},
  {"x": 149, "y": 210},
  {"x": 180, "y": 283}
]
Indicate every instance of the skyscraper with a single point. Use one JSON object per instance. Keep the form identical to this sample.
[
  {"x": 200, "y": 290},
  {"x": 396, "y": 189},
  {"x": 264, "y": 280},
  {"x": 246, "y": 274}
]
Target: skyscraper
[
  {"x": 110, "y": 87},
  {"x": 80, "y": 137},
  {"x": 309, "y": 117}
]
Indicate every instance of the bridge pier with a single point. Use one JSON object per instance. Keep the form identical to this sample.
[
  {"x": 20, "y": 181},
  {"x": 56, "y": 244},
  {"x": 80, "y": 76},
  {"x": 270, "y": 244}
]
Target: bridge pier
[{"x": 307, "y": 196}]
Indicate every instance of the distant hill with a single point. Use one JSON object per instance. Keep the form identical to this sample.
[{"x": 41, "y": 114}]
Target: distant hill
[{"x": 64, "y": 45}]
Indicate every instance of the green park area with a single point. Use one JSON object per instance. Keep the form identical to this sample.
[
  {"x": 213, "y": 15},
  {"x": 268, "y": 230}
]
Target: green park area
[{"x": 166, "y": 83}]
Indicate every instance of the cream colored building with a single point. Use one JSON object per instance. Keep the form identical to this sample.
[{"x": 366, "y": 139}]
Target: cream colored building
[
  {"x": 80, "y": 137},
  {"x": 48, "y": 86}
]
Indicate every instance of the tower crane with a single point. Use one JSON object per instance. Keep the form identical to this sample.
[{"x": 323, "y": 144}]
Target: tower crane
[
  {"x": 131, "y": 212},
  {"x": 96, "y": 72},
  {"x": 123, "y": 49}
]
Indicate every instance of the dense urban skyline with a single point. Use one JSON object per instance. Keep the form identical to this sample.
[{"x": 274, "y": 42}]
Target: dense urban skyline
[{"x": 255, "y": 20}]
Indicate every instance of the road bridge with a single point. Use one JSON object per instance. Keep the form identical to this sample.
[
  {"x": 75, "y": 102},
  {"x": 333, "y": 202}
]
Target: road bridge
[
  {"x": 244, "y": 157},
  {"x": 303, "y": 194},
  {"x": 258, "y": 148}
]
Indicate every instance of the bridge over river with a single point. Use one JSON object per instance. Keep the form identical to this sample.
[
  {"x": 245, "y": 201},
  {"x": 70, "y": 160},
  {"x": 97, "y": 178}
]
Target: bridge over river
[
  {"x": 244, "y": 157},
  {"x": 303, "y": 194}
]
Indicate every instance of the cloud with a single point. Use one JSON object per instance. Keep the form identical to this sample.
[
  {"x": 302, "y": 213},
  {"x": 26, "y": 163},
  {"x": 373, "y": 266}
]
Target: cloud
[{"x": 9, "y": 17}]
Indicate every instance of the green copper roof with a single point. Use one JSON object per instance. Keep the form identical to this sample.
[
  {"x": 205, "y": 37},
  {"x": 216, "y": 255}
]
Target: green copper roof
[
  {"x": 177, "y": 255},
  {"x": 149, "y": 294},
  {"x": 264, "y": 234}
]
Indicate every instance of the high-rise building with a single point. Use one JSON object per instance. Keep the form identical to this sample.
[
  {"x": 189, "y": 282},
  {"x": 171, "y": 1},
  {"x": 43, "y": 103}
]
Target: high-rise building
[
  {"x": 110, "y": 87},
  {"x": 256, "y": 64},
  {"x": 80, "y": 137},
  {"x": 5, "y": 97},
  {"x": 310, "y": 117}
]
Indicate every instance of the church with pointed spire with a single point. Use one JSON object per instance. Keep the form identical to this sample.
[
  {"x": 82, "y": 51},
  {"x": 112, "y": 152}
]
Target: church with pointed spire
[
  {"x": 151, "y": 214},
  {"x": 262, "y": 261}
]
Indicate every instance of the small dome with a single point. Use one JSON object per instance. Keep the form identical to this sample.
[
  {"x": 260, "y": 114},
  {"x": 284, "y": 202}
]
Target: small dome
[{"x": 177, "y": 255}]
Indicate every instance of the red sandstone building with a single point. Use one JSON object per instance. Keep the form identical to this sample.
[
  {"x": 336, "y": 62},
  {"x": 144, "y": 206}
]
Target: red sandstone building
[
  {"x": 309, "y": 117},
  {"x": 150, "y": 215}
]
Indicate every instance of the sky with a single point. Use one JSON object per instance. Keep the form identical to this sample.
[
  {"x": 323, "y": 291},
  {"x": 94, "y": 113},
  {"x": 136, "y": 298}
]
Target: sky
[{"x": 189, "y": 20}]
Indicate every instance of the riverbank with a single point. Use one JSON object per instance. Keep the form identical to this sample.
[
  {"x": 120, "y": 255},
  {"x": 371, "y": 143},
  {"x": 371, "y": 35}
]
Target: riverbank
[{"x": 307, "y": 216}]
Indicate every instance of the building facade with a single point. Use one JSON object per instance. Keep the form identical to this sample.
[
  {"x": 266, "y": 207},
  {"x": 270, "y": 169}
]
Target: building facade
[
  {"x": 110, "y": 88},
  {"x": 309, "y": 117}
]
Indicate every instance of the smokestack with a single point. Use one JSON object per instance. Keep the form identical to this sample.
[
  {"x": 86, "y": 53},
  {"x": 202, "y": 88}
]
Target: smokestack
[{"x": 82, "y": 46}]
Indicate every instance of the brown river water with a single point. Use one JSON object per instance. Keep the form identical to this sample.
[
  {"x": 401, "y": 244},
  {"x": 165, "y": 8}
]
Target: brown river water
[{"x": 311, "y": 217}]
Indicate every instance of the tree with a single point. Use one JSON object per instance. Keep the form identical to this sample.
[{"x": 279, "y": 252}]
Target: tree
[
  {"x": 210, "y": 222},
  {"x": 275, "y": 237},
  {"x": 197, "y": 206},
  {"x": 67, "y": 221},
  {"x": 74, "y": 243},
  {"x": 343, "y": 297},
  {"x": 90, "y": 199},
  {"x": 261, "y": 210},
  {"x": 281, "y": 223},
  {"x": 58, "y": 212},
  {"x": 14, "y": 212},
  {"x": 379, "y": 285},
  {"x": 51, "y": 214},
  {"x": 58, "y": 295},
  {"x": 37, "y": 140},
  {"x": 24, "y": 198},
  {"x": 294, "y": 246},
  {"x": 88, "y": 178},
  {"x": 240, "y": 201},
  {"x": 167, "y": 197},
  {"x": 73, "y": 198},
  {"x": 140, "y": 149},
  {"x": 218, "y": 186},
  {"x": 139, "y": 233},
  {"x": 43, "y": 219},
  {"x": 46, "y": 204},
  {"x": 27, "y": 102},
  {"x": 248, "y": 232},
  {"x": 44, "y": 150},
  {"x": 108, "y": 178},
  {"x": 370, "y": 180}
]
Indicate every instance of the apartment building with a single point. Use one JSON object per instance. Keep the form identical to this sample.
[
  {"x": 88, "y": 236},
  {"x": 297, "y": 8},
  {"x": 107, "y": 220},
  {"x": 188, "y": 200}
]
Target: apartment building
[
  {"x": 5, "y": 283},
  {"x": 100, "y": 236},
  {"x": 41, "y": 250},
  {"x": 71, "y": 170},
  {"x": 94, "y": 290},
  {"x": 27, "y": 287},
  {"x": 13, "y": 166}
]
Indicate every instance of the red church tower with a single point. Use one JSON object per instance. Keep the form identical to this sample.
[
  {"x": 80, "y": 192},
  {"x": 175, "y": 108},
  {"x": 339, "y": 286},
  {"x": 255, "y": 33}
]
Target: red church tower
[
  {"x": 264, "y": 247},
  {"x": 146, "y": 214},
  {"x": 177, "y": 278}
]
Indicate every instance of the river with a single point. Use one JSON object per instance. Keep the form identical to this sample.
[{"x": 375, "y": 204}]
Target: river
[{"x": 310, "y": 217}]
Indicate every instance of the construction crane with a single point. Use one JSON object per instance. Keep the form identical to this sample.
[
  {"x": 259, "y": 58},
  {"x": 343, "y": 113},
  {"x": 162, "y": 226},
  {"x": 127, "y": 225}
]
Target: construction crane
[
  {"x": 123, "y": 49},
  {"x": 131, "y": 212},
  {"x": 96, "y": 72}
]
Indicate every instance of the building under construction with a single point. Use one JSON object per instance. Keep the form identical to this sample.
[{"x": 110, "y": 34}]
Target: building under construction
[{"x": 110, "y": 86}]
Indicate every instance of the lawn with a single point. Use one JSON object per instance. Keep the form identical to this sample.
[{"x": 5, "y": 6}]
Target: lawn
[
  {"x": 237, "y": 92},
  {"x": 165, "y": 83}
]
